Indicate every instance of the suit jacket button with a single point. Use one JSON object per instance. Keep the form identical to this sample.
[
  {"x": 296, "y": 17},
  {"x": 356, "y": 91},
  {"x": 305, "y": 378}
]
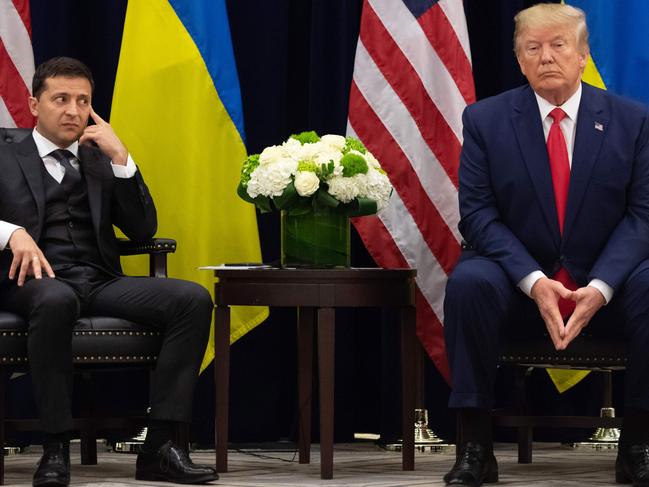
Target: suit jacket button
[{"x": 71, "y": 224}]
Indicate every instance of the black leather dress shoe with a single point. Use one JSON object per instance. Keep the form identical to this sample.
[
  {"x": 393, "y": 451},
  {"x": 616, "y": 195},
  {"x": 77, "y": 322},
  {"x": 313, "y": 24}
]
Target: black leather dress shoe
[
  {"x": 475, "y": 465},
  {"x": 54, "y": 467},
  {"x": 632, "y": 465},
  {"x": 172, "y": 464}
]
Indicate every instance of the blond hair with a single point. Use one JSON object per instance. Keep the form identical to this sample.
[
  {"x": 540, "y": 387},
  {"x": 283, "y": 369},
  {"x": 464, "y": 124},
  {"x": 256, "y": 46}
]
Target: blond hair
[{"x": 550, "y": 15}]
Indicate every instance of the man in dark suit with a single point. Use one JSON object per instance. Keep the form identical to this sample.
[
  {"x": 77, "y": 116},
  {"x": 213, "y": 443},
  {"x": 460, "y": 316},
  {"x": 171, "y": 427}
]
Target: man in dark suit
[
  {"x": 61, "y": 192},
  {"x": 554, "y": 203}
]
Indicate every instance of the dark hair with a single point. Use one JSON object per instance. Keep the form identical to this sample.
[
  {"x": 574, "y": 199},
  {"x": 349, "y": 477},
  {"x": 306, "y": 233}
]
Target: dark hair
[{"x": 60, "y": 66}]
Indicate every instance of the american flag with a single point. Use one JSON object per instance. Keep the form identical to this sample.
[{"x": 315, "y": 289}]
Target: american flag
[
  {"x": 412, "y": 80},
  {"x": 16, "y": 63}
]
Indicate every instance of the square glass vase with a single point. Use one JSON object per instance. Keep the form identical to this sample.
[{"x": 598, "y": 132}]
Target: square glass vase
[{"x": 315, "y": 239}]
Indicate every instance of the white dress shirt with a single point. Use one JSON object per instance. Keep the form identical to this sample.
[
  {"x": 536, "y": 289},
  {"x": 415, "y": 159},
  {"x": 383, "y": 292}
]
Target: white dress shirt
[
  {"x": 569, "y": 128},
  {"x": 56, "y": 170}
]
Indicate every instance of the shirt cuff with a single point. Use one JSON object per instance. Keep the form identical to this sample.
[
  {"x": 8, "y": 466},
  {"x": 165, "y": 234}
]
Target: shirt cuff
[
  {"x": 125, "y": 172},
  {"x": 6, "y": 231},
  {"x": 528, "y": 282},
  {"x": 602, "y": 287}
]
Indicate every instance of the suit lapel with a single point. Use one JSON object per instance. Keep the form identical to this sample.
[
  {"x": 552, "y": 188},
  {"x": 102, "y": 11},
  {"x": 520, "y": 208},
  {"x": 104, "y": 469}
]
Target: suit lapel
[
  {"x": 31, "y": 165},
  {"x": 592, "y": 121},
  {"x": 528, "y": 128}
]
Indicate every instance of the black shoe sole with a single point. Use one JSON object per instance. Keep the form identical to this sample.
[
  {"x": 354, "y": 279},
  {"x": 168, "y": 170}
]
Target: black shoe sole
[
  {"x": 490, "y": 478},
  {"x": 51, "y": 483},
  {"x": 194, "y": 480}
]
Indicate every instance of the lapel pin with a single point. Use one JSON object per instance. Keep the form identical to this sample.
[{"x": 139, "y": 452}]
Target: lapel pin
[{"x": 599, "y": 126}]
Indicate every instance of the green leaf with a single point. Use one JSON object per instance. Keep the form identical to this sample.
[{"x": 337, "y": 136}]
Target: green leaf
[
  {"x": 324, "y": 198},
  {"x": 301, "y": 206},
  {"x": 361, "y": 207},
  {"x": 264, "y": 204},
  {"x": 287, "y": 198},
  {"x": 243, "y": 194}
]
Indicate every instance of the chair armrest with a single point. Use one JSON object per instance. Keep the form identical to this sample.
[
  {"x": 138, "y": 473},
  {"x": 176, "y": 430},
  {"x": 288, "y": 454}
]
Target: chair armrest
[
  {"x": 153, "y": 246},
  {"x": 157, "y": 248}
]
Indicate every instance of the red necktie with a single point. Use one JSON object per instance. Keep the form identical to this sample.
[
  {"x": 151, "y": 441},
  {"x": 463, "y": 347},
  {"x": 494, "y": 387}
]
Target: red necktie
[{"x": 560, "y": 168}]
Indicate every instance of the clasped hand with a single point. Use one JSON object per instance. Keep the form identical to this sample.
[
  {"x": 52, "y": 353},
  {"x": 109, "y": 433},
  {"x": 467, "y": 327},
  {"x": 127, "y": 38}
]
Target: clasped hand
[{"x": 547, "y": 292}]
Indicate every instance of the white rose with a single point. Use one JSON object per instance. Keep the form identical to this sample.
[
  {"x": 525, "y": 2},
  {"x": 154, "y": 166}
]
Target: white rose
[
  {"x": 328, "y": 155},
  {"x": 309, "y": 151},
  {"x": 306, "y": 183},
  {"x": 271, "y": 154},
  {"x": 291, "y": 145},
  {"x": 336, "y": 142}
]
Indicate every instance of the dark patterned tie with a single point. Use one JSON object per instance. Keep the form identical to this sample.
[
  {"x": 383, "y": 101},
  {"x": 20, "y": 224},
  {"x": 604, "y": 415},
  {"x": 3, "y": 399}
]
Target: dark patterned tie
[
  {"x": 63, "y": 156},
  {"x": 560, "y": 169}
]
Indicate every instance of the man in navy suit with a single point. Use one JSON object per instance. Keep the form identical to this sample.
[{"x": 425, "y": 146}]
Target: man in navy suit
[
  {"x": 554, "y": 203},
  {"x": 62, "y": 189}
]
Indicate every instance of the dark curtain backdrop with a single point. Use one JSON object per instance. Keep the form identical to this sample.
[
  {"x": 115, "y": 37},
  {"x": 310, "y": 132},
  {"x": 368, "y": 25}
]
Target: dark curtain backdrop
[{"x": 295, "y": 61}]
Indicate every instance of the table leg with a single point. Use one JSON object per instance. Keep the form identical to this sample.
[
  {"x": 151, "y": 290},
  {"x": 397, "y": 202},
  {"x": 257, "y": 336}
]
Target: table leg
[
  {"x": 305, "y": 329},
  {"x": 408, "y": 351},
  {"x": 326, "y": 335},
  {"x": 222, "y": 383}
]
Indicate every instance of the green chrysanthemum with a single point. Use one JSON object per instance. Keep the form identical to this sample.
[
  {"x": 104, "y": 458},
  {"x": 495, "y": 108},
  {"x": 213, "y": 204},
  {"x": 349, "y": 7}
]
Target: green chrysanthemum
[
  {"x": 306, "y": 137},
  {"x": 353, "y": 164},
  {"x": 249, "y": 165},
  {"x": 307, "y": 165},
  {"x": 352, "y": 143}
]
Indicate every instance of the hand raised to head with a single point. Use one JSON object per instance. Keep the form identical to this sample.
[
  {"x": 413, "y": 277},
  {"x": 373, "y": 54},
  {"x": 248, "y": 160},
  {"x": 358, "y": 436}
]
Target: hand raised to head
[{"x": 106, "y": 139}]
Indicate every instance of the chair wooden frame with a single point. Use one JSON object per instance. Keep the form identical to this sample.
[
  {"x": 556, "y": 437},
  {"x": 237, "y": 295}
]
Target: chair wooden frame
[{"x": 586, "y": 352}]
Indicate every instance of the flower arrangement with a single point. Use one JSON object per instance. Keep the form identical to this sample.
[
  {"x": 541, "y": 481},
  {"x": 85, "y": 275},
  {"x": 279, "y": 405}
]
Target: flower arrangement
[{"x": 307, "y": 170}]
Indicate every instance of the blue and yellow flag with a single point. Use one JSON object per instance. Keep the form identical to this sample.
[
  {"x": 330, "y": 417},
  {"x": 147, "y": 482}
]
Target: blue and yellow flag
[
  {"x": 619, "y": 61},
  {"x": 177, "y": 107},
  {"x": 619, "y": 40}
]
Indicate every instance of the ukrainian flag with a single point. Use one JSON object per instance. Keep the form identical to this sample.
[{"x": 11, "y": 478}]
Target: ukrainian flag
[
  {"x": 177, "y": 107},
  {"x": 619, "y": 61},
  {"x": 619, "y": 37}
]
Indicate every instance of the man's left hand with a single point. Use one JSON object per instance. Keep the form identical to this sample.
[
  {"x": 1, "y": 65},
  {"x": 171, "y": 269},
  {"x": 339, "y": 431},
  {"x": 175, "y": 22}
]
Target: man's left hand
[
  {"x": 103, "y": 135},
  {"x": 589, "y": 300}
]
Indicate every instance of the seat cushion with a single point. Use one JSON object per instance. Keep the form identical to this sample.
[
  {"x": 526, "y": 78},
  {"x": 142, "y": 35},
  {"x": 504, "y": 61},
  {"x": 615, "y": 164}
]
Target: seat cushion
[{"x": 95, "y": 340}]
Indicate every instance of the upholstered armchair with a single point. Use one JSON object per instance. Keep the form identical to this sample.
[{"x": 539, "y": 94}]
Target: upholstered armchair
[{"x": 98, "y": 342}]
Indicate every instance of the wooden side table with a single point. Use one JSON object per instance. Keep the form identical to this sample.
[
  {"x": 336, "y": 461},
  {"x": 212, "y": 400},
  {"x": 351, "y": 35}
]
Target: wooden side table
[{"x": 316, "y": 294}]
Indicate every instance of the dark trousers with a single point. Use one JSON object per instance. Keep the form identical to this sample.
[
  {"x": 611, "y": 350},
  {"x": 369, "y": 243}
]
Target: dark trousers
[
  {"x": 182, "y": 309},
  {"x": 482, "y": 305}
]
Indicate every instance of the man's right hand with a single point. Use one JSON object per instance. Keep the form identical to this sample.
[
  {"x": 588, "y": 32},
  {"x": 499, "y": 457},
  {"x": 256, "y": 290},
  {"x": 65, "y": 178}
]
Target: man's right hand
[
  {"x": 546, "y": 293},
  {"x": 28, "y": 258}
]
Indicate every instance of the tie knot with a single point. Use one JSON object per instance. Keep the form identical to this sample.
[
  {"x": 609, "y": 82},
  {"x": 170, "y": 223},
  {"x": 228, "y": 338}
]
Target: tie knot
[
  {"x": 63, "y": 156},
  {"x": 557, "y": 115}
]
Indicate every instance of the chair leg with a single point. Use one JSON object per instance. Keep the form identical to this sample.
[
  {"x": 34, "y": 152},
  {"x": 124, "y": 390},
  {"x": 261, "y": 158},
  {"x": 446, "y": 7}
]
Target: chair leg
[
  {"x": 2, "y": 426},
  {"x": 525, "y": 433},
  {"x": 525, "y": 444},
  {"x": 459, "y": 435},
  {"x": 88, "y": 432},
  {"x": 88, "y": 444}
]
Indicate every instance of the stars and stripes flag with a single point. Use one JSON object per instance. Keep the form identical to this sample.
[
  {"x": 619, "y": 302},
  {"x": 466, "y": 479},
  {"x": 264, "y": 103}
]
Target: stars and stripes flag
[
  {"x": 16, "y": 63},
  {"x": 412, "y": 80}
]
